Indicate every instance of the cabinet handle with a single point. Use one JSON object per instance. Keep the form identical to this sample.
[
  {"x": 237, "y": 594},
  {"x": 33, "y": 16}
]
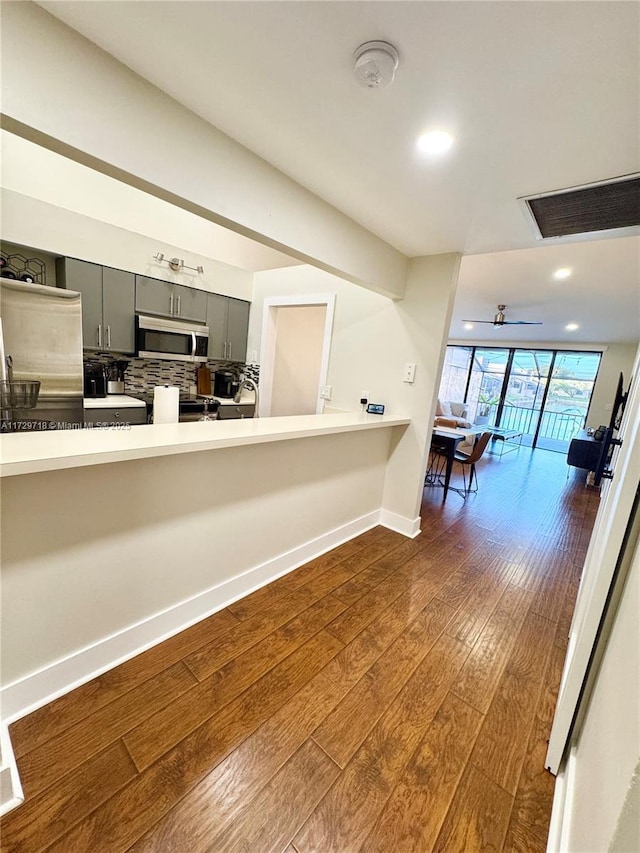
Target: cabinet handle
[
  {"x": 178, "y": 305},
  {"x": 108, "y": 337},
  {"x": 100, "y": 335},
  {"x": 224, "y": 354},
  {"x": 229, "y": 349},
  {"x": 171, "y": 304}
]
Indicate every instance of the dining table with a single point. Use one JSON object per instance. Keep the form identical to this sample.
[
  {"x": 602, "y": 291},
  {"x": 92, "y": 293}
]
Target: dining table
[{"x": 444, "y": 442}]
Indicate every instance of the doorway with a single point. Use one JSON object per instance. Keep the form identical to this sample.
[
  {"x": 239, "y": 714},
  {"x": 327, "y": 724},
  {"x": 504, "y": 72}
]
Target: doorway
[{"x": 294, "y": 354}]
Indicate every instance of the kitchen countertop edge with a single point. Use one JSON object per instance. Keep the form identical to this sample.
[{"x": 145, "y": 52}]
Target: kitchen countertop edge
[{"x": 50, "y": 451}]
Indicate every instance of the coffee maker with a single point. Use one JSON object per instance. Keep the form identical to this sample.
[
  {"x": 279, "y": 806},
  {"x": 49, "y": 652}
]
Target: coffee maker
[
  {"x": 115, "y": 377},
  {"x": 95, "y": 380}
]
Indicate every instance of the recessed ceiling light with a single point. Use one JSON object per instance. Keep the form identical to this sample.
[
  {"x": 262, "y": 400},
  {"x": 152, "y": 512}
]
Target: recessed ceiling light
[
  {"x": 571, "y": 327},
  {"x": 562, "y": 272},
  {"x": 435, "y": 142},
  {"x": 468, "y": 325}
]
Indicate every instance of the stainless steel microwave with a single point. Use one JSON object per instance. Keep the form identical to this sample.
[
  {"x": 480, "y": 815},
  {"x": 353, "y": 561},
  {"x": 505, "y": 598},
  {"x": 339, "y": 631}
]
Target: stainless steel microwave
[{"x": 157, "y": 337}]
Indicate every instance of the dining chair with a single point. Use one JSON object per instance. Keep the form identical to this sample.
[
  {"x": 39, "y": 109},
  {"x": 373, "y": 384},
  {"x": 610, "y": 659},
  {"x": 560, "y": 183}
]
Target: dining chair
[{"x": 470, "y": 462}]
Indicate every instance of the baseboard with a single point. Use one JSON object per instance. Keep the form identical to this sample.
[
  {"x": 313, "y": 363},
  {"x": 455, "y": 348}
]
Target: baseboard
[
  {"x": 407, "y": 526},
  {"x": 560, "y": 822},
  {"x": 39, "y": 688},
  {"x": 11, "y": 794}
]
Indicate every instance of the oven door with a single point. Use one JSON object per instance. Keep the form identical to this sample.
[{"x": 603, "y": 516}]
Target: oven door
[{"x": 169, "y": 339}]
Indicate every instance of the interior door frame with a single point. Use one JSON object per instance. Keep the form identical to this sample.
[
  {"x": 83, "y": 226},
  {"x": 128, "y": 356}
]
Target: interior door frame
[{"x": 268, "y": 342}]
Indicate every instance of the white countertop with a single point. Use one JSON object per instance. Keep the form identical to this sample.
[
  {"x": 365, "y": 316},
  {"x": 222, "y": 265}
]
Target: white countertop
[
  {"x": 112, "y": 401},
  {"x": 29, "y": 453}
]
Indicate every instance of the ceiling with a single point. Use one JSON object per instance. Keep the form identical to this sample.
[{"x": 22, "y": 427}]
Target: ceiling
[{"x": 539, "y": 96}]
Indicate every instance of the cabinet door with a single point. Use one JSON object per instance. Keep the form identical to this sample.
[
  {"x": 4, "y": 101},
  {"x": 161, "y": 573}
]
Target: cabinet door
[
  {"x": 237, "y": 329},
  {"x": 118, "y": 308},
  {"x": 87, "y": 279},
  {"x": 190, "y": 304},
  {"x": 217, "y": 309},
  {"x": 154, "y": 296}
]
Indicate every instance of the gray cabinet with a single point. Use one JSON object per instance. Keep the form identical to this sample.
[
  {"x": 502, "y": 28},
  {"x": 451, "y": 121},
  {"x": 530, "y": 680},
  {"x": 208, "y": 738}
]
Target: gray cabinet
[
  {"x": 108, "y": 297},
  {"x": 228, "y": 322},
  {"x": 114, "y": 416},
  {"x": 165, "y": 299}
]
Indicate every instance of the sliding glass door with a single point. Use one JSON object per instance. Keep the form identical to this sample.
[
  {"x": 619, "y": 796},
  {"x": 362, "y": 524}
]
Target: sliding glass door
[{"x": 543, "y": 394}]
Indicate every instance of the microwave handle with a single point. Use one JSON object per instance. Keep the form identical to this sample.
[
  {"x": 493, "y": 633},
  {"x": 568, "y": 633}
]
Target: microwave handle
[{"x": 193, "y": 345}]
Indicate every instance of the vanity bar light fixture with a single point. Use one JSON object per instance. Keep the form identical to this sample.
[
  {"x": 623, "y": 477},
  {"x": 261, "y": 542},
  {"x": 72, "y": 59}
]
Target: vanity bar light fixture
[{"x": 176, "y": 264}]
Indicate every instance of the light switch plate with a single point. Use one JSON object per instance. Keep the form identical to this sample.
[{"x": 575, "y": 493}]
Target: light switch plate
[
  {"x": 409, "y": 372},
  {"x": 325, "y": 392}
]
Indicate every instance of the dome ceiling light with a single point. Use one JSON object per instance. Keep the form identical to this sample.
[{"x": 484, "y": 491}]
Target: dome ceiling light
[{"x": 375, "y": 64}]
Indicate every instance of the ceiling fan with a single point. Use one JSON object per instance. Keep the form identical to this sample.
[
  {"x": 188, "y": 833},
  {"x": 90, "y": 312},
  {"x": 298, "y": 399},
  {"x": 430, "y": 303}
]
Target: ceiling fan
[{"x": 499, "y": 320}]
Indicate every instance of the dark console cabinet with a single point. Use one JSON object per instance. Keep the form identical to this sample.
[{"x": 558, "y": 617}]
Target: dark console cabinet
[{"x": 585, "y": 452}]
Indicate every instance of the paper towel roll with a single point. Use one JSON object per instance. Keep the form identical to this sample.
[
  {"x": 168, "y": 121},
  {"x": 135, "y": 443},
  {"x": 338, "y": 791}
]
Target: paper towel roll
[{"x": 165, "y": 404}]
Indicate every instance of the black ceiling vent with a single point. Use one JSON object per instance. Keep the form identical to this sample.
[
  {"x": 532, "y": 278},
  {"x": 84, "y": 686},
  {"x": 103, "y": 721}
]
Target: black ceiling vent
[{"x": 580, "y": 210}]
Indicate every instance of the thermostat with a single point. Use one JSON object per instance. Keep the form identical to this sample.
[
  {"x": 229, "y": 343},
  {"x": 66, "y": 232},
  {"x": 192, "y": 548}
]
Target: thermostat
[{"x": 375, "y": 409}]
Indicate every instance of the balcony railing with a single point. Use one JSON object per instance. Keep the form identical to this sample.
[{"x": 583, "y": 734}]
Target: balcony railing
[{"x": 555, "y": 426}]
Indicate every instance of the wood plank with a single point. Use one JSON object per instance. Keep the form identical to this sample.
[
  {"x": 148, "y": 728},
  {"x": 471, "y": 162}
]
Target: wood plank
[
  {"x": 41, "y": 820},
  {"x": 483, "y": 669},
  {"x": 354, "y": 620},
  {"x": 266, "y": 595},
  {"x": 159, "y": 732},
  {"x": 62, "y": 713},
  {"x": 348, "y": 725},
  {"x": 341, "y": 821},
  {"x": 413, "y": 815},
  {"x": 501, "y": 745},
  {"x": 534, "y": 795},
  {"x": 480, "y": 602},
  {"x": 269, "y": 821},
  {"x": 477, "y": 818},
  {"x": 50, "y": 761},
  {"x": 242, "y": 774},
  {"x": 366, "y": 580},
  {"x": 354, "y": 660},
  {"x": 128, "y": 815}
]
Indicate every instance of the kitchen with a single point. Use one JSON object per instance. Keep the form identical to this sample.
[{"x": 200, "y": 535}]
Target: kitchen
[{"x": 164, "y": 326}]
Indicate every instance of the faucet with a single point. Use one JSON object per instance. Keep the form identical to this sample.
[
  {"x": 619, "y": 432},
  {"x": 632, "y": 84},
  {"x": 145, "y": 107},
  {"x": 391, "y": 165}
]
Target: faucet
[{"x": 251, "y": 385}]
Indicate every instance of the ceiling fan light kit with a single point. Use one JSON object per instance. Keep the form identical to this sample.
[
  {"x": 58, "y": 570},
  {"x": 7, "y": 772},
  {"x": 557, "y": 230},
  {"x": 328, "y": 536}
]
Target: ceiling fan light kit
[{"x": 500, "y": 320}]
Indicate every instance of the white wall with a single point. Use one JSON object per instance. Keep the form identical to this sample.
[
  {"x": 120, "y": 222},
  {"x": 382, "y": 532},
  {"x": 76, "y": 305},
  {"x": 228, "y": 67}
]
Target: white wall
[
  {"x": 78, "y": 100},
  {"x": 616, "y": 358},
  {"x": 31, "y": 222},
  {"x": 120, "y": 543},
  {"x": 34, "y": 171},
  {"x": 373, "y": 337}
]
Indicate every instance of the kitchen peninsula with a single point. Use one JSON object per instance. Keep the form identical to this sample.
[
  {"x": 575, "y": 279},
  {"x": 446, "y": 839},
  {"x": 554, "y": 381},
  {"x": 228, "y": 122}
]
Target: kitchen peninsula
[{"x": 116, "y": 538}]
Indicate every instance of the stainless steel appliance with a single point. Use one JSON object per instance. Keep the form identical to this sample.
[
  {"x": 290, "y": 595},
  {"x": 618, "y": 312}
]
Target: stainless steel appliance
[
  {"x": 157, "y": 337},
  {"x": 115, "y": 376},
  {"x": 198, "y": 409},
  {"x": 42, "y": 332}
]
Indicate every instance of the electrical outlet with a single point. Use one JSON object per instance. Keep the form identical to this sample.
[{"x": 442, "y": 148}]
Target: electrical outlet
[
  {"x": 254, "y": 356},
  {"x": 409, "y": 374},
  {"x": 325, "y": 392},
  {"x": 364, "y": 395}
]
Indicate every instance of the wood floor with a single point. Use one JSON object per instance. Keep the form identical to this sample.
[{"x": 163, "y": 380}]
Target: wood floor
[{"x": 392, "y": 695}]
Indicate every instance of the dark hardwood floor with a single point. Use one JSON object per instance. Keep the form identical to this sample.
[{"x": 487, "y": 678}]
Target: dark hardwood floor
[{"x": 391, "y": 695}]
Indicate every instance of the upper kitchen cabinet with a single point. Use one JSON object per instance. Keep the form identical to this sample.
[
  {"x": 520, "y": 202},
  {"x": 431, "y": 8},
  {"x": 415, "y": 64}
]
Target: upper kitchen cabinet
[
  {"x": 108, "y": 298},
  {"x": 165, "y": 299},
  {"x": 228, "y": 322}
]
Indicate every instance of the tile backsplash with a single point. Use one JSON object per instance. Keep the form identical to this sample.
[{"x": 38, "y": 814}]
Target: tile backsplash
[{"x": 143, "y": 374}]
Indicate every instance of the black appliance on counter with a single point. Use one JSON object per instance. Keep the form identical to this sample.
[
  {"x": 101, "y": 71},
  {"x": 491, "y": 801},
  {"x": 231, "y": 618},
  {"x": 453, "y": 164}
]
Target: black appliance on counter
[
  {"x": 95, "y": 380},
  {"x": 225, "y": 384}
]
